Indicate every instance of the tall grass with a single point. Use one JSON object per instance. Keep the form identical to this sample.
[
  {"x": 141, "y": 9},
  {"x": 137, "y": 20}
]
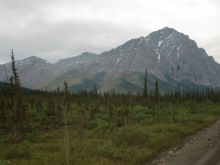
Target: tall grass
[{"x": 103, "y": 141}]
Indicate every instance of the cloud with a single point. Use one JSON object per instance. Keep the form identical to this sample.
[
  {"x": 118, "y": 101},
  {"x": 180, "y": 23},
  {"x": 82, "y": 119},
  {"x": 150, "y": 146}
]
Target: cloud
[
  {"x": 67, "y": 39},
  {"x": 215, "y": 2},
  {"x": 55, "y": 29}
]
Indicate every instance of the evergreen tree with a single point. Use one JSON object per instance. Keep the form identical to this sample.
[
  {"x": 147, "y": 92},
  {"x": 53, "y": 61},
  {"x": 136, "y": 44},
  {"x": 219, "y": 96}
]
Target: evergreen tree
[
  {"x": 66, "y": 137},
  {"x": 171, "y": 95},
  {"x": 51, "y": 108},
  {"x": 95, "y": 90},
  {"x": 179, "y": 93},
  {"x": 2, "y": 113},
  {"x": 18, "y": 104},
  {"x": 156, "y": 92},
  {"x": 145, "y": 85},
  {"x": 58, "y": 90}
]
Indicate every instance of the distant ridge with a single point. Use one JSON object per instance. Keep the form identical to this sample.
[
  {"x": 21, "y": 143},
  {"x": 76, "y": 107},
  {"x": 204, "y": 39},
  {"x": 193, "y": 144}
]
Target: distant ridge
[{"x": 167, "y": 54}]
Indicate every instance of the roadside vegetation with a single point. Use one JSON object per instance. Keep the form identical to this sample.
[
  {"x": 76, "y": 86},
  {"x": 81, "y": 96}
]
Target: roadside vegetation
[{"x": 62, "y": 127}]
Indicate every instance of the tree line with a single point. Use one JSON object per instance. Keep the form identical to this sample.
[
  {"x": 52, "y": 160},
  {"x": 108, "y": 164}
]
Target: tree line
[{"x": 20, "y": 108}]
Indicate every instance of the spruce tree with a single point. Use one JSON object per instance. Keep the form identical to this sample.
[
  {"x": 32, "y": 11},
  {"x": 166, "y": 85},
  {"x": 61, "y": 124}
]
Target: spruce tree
[
  {"x": 179, "y": 93},
  {"x": 95, "y": 90},
  {"x": 145, "y": 85},
  {"x": 2, "y": 113},
  {"x": 17, "y": 102},
  {"x": 66, "y": 133},
  {"x": 156, "y": 92}
]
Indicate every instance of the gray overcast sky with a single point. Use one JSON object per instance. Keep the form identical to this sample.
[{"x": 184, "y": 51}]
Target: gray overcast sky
[{"x": 56, "y": 29}]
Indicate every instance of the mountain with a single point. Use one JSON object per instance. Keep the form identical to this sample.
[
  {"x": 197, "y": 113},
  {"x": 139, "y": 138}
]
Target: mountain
[
  {"x": 32, "y": 71},
  {"x": 167, "y": 54}
]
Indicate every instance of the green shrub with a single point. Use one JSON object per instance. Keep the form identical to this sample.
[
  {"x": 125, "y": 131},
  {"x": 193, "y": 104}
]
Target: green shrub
[
  {"x": 5, "y": 162},
  {"x": 214, "y": 111},
  {"x": 22, "y": 150},
  {"x": 103, "y": 127},
  {"x": 143, "y": 118},
  {"x": 200, "y": 119},
  {"x": 169, "y": 128},
  {"x": 34, "y": 131},
  {"x": 131, "y": 136},
  {"x": 106, "y": 149},
  {"x": 5, "y": 139},
  {"x": 91, "y": 124}
]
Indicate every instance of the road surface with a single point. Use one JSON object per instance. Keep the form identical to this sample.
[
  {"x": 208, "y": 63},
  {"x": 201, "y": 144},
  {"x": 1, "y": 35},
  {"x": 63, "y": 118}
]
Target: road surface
[{"x": 203, "y": 149}]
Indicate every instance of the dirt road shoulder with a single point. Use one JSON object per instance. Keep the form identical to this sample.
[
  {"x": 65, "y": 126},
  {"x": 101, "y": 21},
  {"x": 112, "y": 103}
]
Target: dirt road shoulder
[{"x": 203, "y": 149}]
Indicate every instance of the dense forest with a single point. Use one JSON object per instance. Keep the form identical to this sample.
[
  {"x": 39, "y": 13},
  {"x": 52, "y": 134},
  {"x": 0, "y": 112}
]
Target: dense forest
[{"x": 88, "y": 127}]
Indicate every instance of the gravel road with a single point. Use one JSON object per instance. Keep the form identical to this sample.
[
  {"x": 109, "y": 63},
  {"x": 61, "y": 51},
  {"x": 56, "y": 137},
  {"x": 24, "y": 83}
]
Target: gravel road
[{"x": 201, "y": 149}]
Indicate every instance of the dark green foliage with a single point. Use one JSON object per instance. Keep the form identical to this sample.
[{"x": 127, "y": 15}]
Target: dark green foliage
[
  {"x": 2, "y": 113},
  {"x": 18, "y": 107},
  {"x": 21, "y": 150},
  {"x": 95, "y": 90},
  {"x": 119, "y": 127},
  {"x": 111, "y": 125},
  {"x": 131, "y": 136},
  {"x": 38, "y": 105},
  {"x": 4, "y": 87},
  {"x": 157, "y": 92},
  {"x": 51, "y": 111},
  {"x": 145, "y": 85}
]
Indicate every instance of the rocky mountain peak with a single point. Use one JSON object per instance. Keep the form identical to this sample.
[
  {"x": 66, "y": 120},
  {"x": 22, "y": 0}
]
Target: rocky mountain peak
[
  {"x": 162, "y": 33},
  {"x": 166, "y": 53}
]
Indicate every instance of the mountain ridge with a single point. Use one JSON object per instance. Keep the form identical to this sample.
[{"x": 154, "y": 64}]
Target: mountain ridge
[{"x": 166, "y": 54}]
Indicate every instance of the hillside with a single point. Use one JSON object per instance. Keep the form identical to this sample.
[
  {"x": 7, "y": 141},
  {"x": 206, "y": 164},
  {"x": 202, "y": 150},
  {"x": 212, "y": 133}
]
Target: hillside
[{"x": 167, "y": 54}]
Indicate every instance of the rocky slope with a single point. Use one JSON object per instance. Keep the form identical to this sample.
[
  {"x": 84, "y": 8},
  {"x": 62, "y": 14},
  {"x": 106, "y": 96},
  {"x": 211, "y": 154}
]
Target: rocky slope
[
  {"x": 32, "y": 71},
  {"x": 167, "y": 54}
]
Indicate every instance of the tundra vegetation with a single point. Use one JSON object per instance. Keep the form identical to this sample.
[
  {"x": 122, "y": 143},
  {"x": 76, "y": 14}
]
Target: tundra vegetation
[{"x": 87, "y": 127}]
